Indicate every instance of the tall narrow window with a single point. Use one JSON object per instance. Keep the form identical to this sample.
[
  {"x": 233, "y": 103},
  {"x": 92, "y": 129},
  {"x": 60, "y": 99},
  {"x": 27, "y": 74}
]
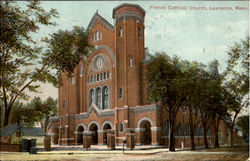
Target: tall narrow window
[
  {"x": 64, "y": 104},
  {"x": 121, "y": 129},
  {"x": 105, "y": 97},
  {"x": 63, "y": 131},
  {"x": 98, "y": 97},
  {"x": 73, "y": 80},
  {"x": 121, "y": 93},
  {"x": 180, "y": 130},
  {"x": 131, "y": 62},
  {"x": 120, "y": 32},
  {"x": 108, "y": 75},
  {"x": 140, "y": 35},
  {"x": 188, "y": 130},
  {"x": 99, "y": 35},
  {"x": 166, "y": 129},
  {"x": 97, "y": 77},
  {"x": 91, "y": 97}
]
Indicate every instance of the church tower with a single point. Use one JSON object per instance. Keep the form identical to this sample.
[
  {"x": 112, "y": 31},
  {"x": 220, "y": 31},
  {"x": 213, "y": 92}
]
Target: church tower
[{"x": 129, "y": 49}]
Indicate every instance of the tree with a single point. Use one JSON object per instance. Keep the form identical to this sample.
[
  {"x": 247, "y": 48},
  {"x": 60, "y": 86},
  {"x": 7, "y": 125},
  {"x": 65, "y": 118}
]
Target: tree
[
  {"x": 243, "y": 125},
  {"x": 237, "y": 80},
  {"x": 166, "y": 85},
  {"x": 216, "y": 98},
  {"x": 36, "y": 111},
  {"x": 24, "y": 61},
  {"x": 194, "y": 87}
]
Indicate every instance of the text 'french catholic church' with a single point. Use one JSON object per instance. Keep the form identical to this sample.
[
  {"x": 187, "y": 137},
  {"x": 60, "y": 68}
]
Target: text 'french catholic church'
[{"x": 109, "y": 91}]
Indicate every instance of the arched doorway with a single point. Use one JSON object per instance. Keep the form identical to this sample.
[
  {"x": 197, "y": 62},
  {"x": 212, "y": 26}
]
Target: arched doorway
[
  {"x": 56, "y": 135},
  {"x": 146, "y": 136},
  {"x": 80, "y": 130},
  {"x": 93, "y": 128},
  {"x": 105, "y": 128}
]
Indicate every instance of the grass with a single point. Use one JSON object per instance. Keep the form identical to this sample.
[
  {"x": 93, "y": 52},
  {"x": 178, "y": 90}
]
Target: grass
[{"x": 235, "y": 153}]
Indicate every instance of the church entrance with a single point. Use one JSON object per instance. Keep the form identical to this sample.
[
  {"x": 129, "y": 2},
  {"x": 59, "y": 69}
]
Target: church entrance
[
  {"x": 80, "y": 130},
  {"x": 146, "y": 133},
  {"x": 93, "y": 128},
  {"x": 105, "y": 128}
]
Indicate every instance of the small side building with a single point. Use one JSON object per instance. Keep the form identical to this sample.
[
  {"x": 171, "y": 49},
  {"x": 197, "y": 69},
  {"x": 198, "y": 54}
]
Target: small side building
[{"x": 13, "y": 134}]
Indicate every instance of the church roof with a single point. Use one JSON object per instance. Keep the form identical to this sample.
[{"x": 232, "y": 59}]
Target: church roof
[
  {"x": 100, "y": 18},
  {"x": 127, "y": 4}
]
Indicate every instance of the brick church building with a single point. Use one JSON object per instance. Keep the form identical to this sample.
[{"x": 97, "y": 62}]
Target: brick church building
[{"x": 109, "y": 90}]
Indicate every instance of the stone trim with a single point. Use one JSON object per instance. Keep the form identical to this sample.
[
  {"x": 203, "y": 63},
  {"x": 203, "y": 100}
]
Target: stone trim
[
  {"x": 107, "y": 122},
  {"x": 146, "y": 109},
  {"x": 81, "y": 124},
  {"x": 155, "y": 144},
  {"x": 145, "y": 118},
  {"x": 100, "y": 113},
  {"x": 67, "y": 139},
  {"x": 155, "y": 128},
  {"x": 127, "y": 15},
  {"x": 100, "y": 18},
  {"x": 100, "y": 131},
  {"x": 127, "y": 4},
  {"x": 94, "y": 122},
  {"x": 139, "y": 129}
]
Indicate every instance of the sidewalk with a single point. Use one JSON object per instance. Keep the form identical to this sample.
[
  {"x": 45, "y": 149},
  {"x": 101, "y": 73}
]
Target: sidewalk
[{"x": 102, "y": 149}]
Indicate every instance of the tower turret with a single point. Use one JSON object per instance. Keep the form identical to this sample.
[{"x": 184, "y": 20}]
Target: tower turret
[{"x": 129, "y": 47}]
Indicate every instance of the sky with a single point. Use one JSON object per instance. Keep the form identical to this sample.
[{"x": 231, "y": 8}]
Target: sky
[{"x": 194, "y": 35}]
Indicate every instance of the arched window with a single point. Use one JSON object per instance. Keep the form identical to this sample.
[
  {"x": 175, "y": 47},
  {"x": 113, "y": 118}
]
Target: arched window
[
  {"x": 121, "y": 129},
  {"x": 166, "y": 128},
  {"x": 97, "y": 77},
  {"x": 105, "y": 97},
  {"x": 120, "y": 32},
  {"x": 105, "y": 75},
  {"x": 108, "y": 75},
  {"x": 121, "y": 93},
  {"x": 98, "y": 97},
  {"x": 131, "y": 62},
  {"x": 91, "y": 97}
]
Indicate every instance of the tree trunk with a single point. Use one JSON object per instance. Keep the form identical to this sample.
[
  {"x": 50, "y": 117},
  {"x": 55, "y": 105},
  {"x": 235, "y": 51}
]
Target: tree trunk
[
  {"x": 216, "y": 140},
  {"x": 205, "y": 137},
  {"x": 6, "y": 117},
  {"x": 231, "y": 138},
  {"x": 172, "y": 139},
  {"x": 191, "y": 130}
]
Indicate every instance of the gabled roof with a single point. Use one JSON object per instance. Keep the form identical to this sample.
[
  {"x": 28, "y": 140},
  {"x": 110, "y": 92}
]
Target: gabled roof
[
  {"x": 12, "y": 128},
  {"x": 100, "y": 18},
  {"x": 9, "y": 130},
  {"x": 34, "y": 131}
]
